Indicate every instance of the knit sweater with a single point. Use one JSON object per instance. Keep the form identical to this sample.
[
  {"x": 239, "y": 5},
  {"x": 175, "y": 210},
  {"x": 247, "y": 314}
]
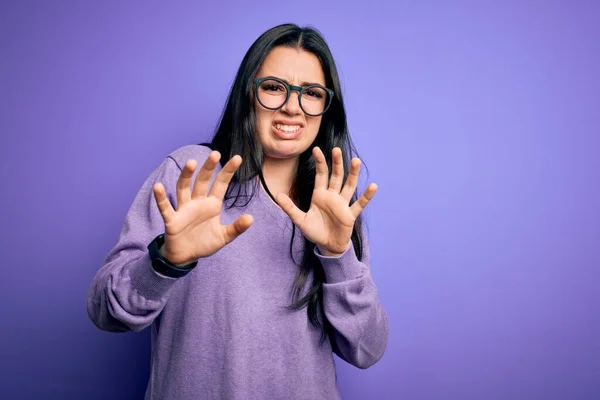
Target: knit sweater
[{"x": 223, "y": 331}]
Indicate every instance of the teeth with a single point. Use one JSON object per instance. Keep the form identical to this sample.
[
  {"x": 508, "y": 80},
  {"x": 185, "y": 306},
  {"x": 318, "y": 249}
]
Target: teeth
[{"x": 287, "y": 128}]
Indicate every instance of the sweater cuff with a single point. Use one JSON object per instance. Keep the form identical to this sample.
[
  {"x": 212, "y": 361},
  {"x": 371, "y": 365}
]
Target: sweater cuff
[
  {"x": 343, "y": 268},
  {"x": 148, "y": 283}
]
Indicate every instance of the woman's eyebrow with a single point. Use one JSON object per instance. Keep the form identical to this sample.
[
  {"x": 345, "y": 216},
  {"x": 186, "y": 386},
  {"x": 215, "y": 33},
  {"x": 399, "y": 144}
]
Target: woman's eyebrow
[{"x": 302, "y": 84}]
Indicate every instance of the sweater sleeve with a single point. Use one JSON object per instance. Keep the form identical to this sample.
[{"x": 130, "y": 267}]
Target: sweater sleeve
[
  {"x": 350, "y": 302},
  {"x": 126, "y": 293}
]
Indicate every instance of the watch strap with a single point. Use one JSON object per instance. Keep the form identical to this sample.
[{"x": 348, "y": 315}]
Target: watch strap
[{"x": 162, "y": 265}]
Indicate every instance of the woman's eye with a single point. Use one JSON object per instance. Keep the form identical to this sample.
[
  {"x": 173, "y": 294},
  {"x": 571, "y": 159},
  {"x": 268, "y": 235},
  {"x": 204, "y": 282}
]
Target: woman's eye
[
  {"x": 273, "y": 88},
  {"x": 314, "y": 93}
]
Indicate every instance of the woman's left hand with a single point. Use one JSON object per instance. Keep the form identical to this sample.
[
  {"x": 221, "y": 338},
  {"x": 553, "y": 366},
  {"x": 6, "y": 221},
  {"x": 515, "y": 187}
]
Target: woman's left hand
[{"x": 330, "y": 219}]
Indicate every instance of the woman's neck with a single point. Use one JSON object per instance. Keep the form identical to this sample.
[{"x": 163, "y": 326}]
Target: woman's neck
[{"x": 279, "y": 174}]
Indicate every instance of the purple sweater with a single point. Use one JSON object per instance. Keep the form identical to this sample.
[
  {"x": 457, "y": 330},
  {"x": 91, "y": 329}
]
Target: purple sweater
[{"x": 222, "y": 331}]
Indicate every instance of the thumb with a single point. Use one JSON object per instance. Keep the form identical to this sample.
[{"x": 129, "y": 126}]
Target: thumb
[
  {"x": 237, "y": 227},
  {"x": 287, "y": 205}
]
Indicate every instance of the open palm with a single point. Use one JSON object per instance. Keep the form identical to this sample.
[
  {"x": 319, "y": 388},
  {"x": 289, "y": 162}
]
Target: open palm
[
  {"x": 194, "y": 230},
  {"x": 329, "y": 221}
]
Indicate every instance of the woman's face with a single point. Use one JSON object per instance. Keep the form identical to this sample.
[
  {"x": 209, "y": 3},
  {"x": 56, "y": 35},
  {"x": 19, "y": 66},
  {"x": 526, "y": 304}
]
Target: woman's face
[{"x": 287, "y": 132}]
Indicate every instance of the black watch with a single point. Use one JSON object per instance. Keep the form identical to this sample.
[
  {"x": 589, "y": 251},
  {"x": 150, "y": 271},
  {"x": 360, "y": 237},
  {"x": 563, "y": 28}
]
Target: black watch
[{"x": 164, "y": 267}]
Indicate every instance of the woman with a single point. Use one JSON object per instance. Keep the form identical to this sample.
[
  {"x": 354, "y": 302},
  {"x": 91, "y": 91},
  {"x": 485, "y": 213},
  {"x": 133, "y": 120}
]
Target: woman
[{"x": 253, "y": 269}]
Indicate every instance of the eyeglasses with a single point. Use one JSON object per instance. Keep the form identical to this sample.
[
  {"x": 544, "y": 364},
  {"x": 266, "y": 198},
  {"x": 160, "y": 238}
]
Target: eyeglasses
[{"x": 272, "y": 93}]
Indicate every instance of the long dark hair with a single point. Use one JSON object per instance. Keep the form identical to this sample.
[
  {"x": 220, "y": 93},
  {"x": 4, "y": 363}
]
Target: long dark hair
[{"x": 235, "y": 134}]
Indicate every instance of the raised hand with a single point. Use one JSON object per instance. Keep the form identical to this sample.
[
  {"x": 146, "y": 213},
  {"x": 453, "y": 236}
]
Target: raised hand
[
  {"x": 194, "y": 230},
  {"x": 330, "y": 219}
]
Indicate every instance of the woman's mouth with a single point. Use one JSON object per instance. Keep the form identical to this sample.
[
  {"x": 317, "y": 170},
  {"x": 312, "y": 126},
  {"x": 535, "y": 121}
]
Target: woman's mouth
[{"x": 287, "y": 131}]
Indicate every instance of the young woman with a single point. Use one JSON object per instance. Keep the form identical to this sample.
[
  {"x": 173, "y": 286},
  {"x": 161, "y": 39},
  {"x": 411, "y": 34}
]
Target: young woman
[{"x": 253, "y": 269}]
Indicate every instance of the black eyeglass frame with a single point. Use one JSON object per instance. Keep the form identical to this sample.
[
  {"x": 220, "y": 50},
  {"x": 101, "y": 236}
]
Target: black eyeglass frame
[{"x": 300, "y": 89}]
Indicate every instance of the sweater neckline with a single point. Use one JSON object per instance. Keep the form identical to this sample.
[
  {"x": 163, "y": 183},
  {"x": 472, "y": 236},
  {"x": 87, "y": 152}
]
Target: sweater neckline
[{"x": 266, "y": 199}]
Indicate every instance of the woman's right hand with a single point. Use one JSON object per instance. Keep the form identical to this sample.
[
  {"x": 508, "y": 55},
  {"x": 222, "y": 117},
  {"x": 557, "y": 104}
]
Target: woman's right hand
[{"x": 194, "y": 230}]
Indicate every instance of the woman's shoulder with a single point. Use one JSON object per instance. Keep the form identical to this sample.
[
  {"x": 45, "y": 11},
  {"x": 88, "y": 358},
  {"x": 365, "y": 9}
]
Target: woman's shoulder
[{"x": 183, "y": 154}]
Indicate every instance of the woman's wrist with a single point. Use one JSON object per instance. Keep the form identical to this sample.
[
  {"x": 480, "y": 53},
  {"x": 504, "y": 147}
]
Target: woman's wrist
[{"x": 328, "y": 253}]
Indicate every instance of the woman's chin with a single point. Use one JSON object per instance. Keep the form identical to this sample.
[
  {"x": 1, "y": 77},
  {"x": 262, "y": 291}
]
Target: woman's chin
[
  {"x": 283, "y": 151},
  {"x": 277, "y": 148}
]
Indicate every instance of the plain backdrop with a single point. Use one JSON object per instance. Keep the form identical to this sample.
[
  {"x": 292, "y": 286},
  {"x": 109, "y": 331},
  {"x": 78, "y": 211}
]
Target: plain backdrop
[{"x": 477, "y": 119}]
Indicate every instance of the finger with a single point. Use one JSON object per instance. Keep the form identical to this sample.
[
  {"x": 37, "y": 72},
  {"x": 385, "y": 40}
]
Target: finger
[
  {"x": 237, "y": 227},
  {"x": 224, "y": 176},
  {"x": 352, "y": 180},
  {"x": 287, "y": 205},
  {"x": 205, "y": 173},
  {"x": 322, "y": 174},
  {"x": 183, "y": 183},
  {"x": 163, "y": 203},
  {"x": 360, "y": 204},
  {"x": 337, "y": 175}
]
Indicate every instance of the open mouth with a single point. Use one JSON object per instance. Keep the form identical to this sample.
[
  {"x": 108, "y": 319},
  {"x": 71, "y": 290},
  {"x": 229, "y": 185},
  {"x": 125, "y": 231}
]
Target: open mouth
[
  {"x": 285, "y": 131},
  {"x": 287, "y": 128}
]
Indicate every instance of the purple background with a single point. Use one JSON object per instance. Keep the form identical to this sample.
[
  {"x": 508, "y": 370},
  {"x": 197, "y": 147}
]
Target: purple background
[{"x": 479, "y": 121}]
